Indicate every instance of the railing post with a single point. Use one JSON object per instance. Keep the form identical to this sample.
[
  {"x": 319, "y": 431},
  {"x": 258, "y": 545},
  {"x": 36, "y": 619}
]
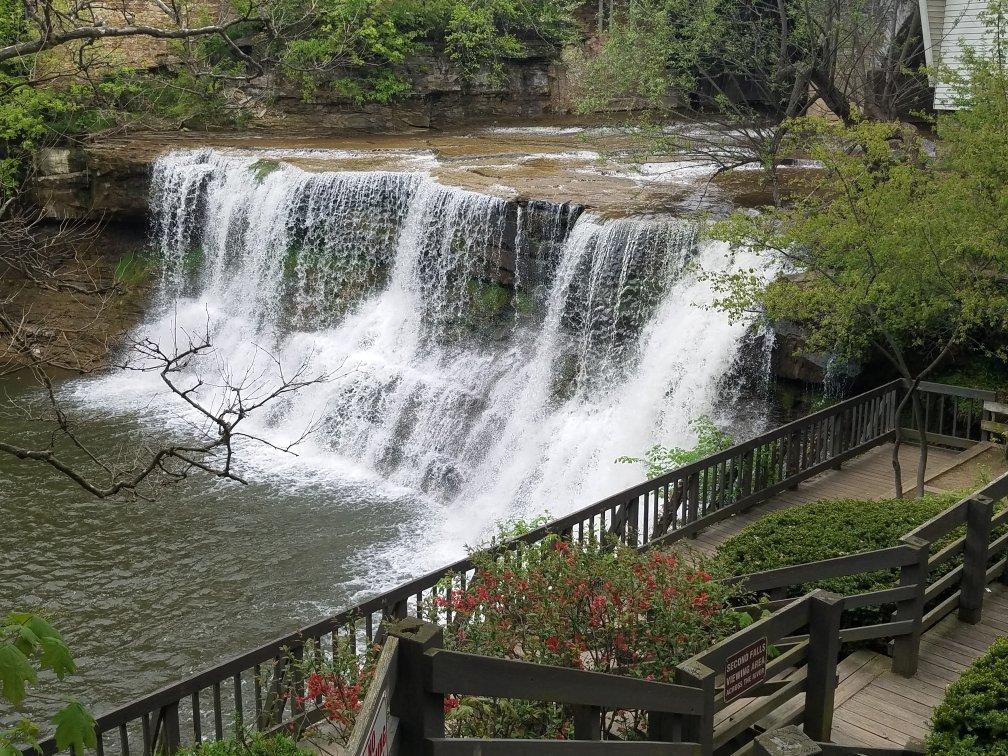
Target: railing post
[
  {"x": 272, "y": 710},
  {"x": 587, "y": 723},
  {"x": 794, "y": 456},
  {"x": 841, "y": 432},
  {"x": 699, "y": 729},
  {"x": 906, "y": 648},
  {"x": 397, "y": 611},
  {"x": 748, "y": 463},
  {"x": 297, "y": 679},
  {"x": 979, "y": 510},
  {"x": 420, "y": 712},
  {"x": 787, "y": 741},
  {"x": 663, "y": 727},
  {"x": 631, "y": 526},
  {"x": 825, "y": 610},
  {"x": 171, "y": 728},
  {"x": 692, "y": 499}
]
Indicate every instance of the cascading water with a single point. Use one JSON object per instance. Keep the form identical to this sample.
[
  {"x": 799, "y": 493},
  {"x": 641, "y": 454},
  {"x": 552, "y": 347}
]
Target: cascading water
[{"x": 488, "y": 359}]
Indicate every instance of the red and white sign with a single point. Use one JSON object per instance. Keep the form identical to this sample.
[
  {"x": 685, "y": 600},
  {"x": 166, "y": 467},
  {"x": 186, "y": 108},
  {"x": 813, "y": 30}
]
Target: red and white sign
[
  {"x": 377, "y": 740},
  {"x": 745, "y": 670}
]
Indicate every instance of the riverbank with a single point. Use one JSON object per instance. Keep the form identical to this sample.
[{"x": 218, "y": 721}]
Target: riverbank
[{"x": 67, "y": 325}]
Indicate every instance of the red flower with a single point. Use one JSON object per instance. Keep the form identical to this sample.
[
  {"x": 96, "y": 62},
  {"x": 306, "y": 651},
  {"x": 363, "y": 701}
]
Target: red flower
[{"x": 553, "y": 643}]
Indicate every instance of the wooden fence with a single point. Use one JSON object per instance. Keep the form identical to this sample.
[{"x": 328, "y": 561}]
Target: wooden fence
[{"x": 254, "y": 687}]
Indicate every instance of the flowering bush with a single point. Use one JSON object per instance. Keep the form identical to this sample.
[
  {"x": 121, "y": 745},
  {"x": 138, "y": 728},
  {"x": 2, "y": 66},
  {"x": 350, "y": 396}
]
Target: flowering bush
[
  {"x": 584, "y": 605},
  {"x": 606, "y": 608},
  {"x": 336, "y": 682}
]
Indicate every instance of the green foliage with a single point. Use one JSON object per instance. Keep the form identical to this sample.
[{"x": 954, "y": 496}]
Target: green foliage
[
  {"x": 360, "y": 47},
  {"x": 26, "y": 110},
  {"x": 827, "y": 529},
  {"x": 659, "y": 459},
  {"x": 584, "y": 605},
  {"x": 13, "y": 26},
  {"x": 34, "y": 116},
  {"x": 475, "y": 39},
  {"x": 523, "y": 303},
  {"x": 977, "y": 371},
  {"x": 249, "y": 744},
  {"x": 132, "y": 269},
  {"x": 972, "y": 720},
  {"x": 652, "y": 50},
  {"x": 28, "y": 643},
  {"x": 75, "y": 728}
]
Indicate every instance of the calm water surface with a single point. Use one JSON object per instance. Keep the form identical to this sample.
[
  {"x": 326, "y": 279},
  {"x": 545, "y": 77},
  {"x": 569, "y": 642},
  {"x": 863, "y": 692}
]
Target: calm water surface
[{"x": 145, "y": 592}]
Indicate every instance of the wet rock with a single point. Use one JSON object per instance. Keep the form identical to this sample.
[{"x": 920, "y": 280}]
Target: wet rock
[{"x": 793, "y": 360}]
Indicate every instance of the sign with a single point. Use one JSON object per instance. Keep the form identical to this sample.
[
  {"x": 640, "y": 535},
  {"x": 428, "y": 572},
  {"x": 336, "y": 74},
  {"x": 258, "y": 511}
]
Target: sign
[
  {"x": 377, "y": 740},
  {"x": 745, "y": 670}
]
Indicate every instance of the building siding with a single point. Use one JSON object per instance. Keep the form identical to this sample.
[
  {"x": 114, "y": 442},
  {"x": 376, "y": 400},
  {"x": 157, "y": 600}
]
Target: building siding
[{"x": 962, "y": 27}]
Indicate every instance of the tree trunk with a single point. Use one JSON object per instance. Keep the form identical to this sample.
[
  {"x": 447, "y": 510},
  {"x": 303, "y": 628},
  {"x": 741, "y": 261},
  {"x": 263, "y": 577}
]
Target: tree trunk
[
  {"x": 897, "y": 468},
  {"x": 922, "y": 433},
  {"x": 898, "y": 442}
]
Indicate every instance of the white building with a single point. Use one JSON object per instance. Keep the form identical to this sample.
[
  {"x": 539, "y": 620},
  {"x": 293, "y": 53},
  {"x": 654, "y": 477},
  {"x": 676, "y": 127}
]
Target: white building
[{"x": 949, "y": 26}]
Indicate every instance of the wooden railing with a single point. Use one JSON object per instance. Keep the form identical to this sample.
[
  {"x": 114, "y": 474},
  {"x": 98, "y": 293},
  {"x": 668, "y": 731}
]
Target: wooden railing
[
  {"x": 427, "y": 673},
  {"x": 952, "y": 415},
  {"x": 254, "y": 687},
  {"x": 920, "y": 601}
]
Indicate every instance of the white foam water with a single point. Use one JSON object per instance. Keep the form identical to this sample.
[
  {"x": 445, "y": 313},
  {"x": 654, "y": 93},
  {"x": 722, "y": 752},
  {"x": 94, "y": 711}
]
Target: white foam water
[{"x": 489, "y": 360}]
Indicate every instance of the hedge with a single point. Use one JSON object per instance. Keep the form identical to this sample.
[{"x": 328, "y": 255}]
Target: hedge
[
  {"x": 973, "y": 718},
  {"x": 827, "y": 529}
]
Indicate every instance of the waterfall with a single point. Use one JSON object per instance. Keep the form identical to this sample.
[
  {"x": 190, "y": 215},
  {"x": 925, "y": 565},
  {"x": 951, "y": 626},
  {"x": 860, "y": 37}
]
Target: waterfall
[{"x": 491, "y": 360}]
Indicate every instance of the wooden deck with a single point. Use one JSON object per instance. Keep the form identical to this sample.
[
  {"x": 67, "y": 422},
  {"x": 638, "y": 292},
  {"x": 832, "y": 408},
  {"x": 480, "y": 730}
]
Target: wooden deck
[
  {"x": 869, "y": 476},
  {"x": 874, "y": 706},
  {"x": 884, "y": 709}
]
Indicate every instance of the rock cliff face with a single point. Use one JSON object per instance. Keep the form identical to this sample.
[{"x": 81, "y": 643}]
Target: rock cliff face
[
  {"x": 76, "y": 183},
  {"x": 531, "y": 87}
]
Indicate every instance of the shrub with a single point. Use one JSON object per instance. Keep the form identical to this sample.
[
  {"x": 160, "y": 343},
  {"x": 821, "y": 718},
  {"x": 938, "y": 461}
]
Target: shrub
[
  {"x": 583, "y": 605},
  {"x": 659, "y": 459},
  {"x": 249, "y": 744},
  {"x": 826, "y": 529},
  {"x": 337, "y": 680},
  {"x": 973, "y": 718},
  {"x": 606, "y": 608}
]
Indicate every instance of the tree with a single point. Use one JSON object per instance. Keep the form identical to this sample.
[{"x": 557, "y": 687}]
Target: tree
[
  {"x": 900, "y": 248},
  {"x": 727, "y": 76}
]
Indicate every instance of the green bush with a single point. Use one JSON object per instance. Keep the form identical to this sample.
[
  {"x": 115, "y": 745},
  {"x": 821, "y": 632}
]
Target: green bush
[
  {"x": 250, "y": 744},
  {"x": 827, "y": 529},
  {"x": 973, "y": 718},
  {"x": 585, "y": 605}
]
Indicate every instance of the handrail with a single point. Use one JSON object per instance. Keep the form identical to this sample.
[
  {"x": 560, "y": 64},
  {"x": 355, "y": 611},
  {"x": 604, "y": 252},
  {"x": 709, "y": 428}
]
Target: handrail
[
  {"x": 865, "y": 561},
  {"x": 476, "y": 675},
  {"x": 659, "y": 511}
]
